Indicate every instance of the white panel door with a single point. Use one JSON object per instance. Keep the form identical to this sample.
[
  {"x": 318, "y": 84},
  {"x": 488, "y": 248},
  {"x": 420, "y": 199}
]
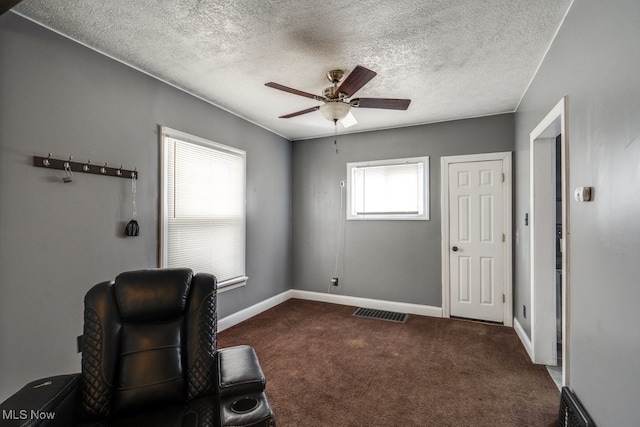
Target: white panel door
[{"x": 476, "y": 240}]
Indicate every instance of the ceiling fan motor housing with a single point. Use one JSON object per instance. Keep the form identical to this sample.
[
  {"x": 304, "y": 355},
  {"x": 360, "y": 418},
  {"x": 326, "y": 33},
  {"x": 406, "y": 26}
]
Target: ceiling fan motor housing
[
  {"x": 332, "y": 93},
  {"x": 335, "y": 76}
]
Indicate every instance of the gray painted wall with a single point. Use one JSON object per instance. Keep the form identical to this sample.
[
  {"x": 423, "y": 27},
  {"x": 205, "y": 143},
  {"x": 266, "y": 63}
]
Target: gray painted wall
[
  {"x": 595, "y": 61},
  {"x": 57, "y": 240},
  {"x": 388, "y": 260}
]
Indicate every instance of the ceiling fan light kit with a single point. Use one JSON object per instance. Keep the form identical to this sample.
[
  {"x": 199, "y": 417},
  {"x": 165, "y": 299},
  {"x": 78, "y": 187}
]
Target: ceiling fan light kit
[
  {"x": 337, "y": 105},
  {"x": 335, "y": 110}
]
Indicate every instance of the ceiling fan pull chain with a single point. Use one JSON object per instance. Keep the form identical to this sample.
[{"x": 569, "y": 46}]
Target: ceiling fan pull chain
[{"x": 335, "y": 137}]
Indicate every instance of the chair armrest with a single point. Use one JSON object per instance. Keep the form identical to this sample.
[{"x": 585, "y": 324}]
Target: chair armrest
[
  {"x": 239, "y": 372},
  {"x": 240, "y": 388},
  {"x": 251, "y": 410},
  {"x": 47, "y": 401}
]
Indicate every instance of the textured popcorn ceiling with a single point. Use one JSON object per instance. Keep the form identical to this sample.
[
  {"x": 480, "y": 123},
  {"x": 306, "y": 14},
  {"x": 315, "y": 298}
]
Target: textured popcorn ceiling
[{"x": 454, "y": 58}]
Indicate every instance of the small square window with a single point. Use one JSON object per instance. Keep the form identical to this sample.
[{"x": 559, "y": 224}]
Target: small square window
[{"x": 388, "y": 189}]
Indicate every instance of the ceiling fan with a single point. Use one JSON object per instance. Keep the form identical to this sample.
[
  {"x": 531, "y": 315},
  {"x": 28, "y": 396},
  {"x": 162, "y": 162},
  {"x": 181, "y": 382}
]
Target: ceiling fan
[{"x": 337, "y": 103}]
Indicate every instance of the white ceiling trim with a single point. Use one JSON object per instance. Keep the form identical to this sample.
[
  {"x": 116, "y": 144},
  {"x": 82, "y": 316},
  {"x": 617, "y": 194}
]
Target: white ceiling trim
[
  {"x": 454, "y": 59},
  {"x": 195, "y": 95},
  {"x": 546, "y": 52}
]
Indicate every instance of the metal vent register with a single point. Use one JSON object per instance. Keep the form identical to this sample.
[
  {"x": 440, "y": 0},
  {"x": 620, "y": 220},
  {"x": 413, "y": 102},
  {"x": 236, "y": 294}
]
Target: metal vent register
[
  {"x": 391, "y": 316},
  {"x": 572, "y": 413}
]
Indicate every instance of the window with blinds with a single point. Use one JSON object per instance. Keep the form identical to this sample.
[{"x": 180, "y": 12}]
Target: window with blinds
[
  {"x": 388, "y": 189},
  {"x": 203, "y": 226}
]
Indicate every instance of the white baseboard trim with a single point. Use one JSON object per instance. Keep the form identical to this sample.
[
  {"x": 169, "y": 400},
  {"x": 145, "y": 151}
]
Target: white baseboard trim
[
  {"x": 401, "y": 307},
  {"x": 249, "y": 312},
  {"x": 526, "y": 342}
]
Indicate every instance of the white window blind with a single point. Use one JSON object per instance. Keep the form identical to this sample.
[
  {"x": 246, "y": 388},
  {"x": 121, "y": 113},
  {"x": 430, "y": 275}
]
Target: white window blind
[
  {"x": 388, "y": 189},
  {"x": 204, "y": 206}
]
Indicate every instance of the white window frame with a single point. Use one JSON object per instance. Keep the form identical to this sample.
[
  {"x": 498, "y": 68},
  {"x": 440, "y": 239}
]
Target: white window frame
[
  {"x": 423, "y": 212},
  {"x": 169, "y": 133}
]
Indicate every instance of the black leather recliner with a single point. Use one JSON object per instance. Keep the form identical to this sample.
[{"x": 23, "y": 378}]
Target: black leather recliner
[{"x": 149, "y": 358}]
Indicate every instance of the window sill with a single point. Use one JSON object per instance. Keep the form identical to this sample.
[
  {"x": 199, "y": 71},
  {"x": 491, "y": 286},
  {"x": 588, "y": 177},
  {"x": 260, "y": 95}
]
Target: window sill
[
  {"x": 369, "y": 217},
  {"x": 230, "y": 284}
]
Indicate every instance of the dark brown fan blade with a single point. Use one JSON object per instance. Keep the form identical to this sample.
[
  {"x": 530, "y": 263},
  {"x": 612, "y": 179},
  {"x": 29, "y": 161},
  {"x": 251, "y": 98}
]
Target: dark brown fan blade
[
  {"x": 386, "y": 103},
  {"x": 359, "y": 77},
  {"x": 294, "y": 91},
  {"x": 299, "y": 113}
]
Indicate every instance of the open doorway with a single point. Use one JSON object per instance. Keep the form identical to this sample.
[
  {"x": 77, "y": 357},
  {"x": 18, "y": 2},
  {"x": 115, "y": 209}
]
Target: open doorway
[
  {"x": 549, "y": 242},
  {"x": 556, "y": 370}
]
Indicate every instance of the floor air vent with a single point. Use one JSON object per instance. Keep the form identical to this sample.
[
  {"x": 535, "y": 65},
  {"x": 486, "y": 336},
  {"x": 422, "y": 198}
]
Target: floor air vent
[
  {"x": 572, "y": 413},
  {"x": 391, "y": 316}
]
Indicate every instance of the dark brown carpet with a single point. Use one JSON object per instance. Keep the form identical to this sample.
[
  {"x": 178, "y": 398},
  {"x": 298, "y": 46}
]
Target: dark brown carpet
[{"x": 325, "y": 367}]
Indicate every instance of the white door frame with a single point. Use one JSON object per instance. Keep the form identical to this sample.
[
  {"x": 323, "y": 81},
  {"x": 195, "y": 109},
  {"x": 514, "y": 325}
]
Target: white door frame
[
  {"x": 543, "y": 208},
  {"x": 506, "y": 158}
]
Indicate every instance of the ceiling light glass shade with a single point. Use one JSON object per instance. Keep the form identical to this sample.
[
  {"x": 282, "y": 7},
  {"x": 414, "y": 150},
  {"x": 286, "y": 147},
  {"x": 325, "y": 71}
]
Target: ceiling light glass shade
[{"x": 336, "y": 110}]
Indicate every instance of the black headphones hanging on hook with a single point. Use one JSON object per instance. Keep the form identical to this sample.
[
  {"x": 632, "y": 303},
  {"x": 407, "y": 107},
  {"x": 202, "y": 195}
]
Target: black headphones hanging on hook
[{"x": 132, "y": 228}]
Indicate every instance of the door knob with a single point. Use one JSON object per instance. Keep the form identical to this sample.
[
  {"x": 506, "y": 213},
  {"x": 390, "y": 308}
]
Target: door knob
[{"x": 454, "y": 249}]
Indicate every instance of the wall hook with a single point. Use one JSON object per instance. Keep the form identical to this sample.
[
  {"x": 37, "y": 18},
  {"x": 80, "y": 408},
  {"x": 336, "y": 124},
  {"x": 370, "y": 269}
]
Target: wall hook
[
  {"x": 46, "y": 161},
  {"x": 67, "y": 164},
  {"x": 67, "y": 170},
  {"x": 119, "y": 171},
  {"x": 85, "y": 167},
  {"x": 104, "y": 168}
]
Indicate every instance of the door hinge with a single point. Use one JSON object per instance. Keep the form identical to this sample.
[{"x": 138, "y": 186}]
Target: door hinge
[
  {"x": 504, "y": 238},
  {"x": 504, "y": 298}
]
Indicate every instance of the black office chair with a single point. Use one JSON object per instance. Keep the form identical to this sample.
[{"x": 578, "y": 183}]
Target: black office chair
[{"x": 149, "y": 358}]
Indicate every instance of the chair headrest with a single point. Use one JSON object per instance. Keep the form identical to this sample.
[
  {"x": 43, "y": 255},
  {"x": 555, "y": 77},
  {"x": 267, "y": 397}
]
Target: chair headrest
[{"x": 152, "y": 295}]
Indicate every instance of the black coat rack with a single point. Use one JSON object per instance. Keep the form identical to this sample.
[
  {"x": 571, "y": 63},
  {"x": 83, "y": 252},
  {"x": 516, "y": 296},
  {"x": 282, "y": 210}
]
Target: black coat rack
[{"x": 87, "y": 167}]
